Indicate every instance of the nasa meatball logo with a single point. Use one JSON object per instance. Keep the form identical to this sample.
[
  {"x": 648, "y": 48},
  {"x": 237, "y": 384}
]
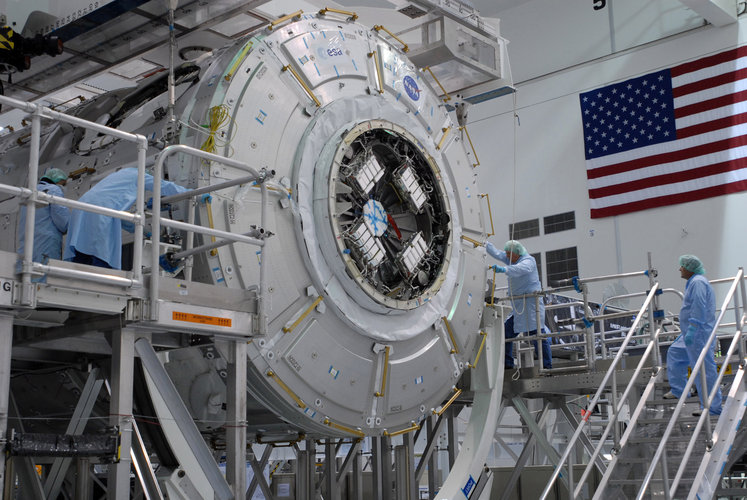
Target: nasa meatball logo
[{"x": 411, "y": 87}]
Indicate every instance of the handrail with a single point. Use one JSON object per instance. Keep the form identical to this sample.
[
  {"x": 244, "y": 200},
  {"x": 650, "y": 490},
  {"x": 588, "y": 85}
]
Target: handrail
[
  {"x": 156, "y": 222},
  {"x": 38, "y": 112},
  {"x": 614, "y": 416},
  {"x": 699, "y": 364},
  {"x": 598, "y": 394}
]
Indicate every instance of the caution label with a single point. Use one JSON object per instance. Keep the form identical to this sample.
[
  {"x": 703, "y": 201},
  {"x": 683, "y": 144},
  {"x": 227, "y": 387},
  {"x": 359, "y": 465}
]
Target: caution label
[{"x": 201, "y": 319}]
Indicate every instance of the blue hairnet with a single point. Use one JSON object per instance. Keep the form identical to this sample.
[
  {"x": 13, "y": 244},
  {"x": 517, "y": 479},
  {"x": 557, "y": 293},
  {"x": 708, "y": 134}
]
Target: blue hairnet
[
  {"x": 692, "y": 264},
  {"x": 55, "y": 175},
  {"x": 515, "y": 247}
]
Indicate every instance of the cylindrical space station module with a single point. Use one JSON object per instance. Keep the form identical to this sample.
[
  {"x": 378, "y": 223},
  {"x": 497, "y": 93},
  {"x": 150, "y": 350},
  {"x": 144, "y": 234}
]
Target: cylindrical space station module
[{"x": 375, "y": 287}]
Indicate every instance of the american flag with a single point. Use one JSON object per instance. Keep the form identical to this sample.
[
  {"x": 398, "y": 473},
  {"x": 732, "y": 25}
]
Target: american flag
[{"x": 668, "y": 137}]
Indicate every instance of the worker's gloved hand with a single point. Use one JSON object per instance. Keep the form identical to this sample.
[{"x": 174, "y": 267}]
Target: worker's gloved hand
[
  {"x": 498, "y": 269},
  {"x": 206, "y": 198},
  {"x": 166, "y": 264},
  {"x": 149, "y": 204},
  {"x": 690, "y": 336}
]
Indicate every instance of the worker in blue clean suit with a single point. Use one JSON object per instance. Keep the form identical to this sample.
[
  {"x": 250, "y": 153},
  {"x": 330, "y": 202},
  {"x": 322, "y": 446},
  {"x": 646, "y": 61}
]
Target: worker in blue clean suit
[
  {"x": 521, "y": 270},
  {"x": 97, "y": 239},
  {"x": 50, "y": 221},
  {"x": 697, "y": 319}
]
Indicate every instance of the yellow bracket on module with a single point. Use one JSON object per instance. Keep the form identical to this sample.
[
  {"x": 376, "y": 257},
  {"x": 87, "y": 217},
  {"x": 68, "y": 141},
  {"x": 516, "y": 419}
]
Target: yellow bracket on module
[
  {"x": 380, "y": 394},
  {"x": 352, "y": 15},
  {"x": 288, "y": 329},
  {"x": 447, "y": 97},
  {"x": 443, "y": 137},
  {"x": 237, "y": 62},
  {"x": 378, "y": 71},
  {"x": 457, "y": 393},
  {"x": 490, "y": 212},
  {"x": 287, "y": 389},
  {"x": 413, "y": 427},
  {"x": 466, "y": 132},
  {"x": 471, "y": 240},
  {"x": 343, "y": 428},
  {"x": 277, "y": 22},
  {"x": 454, "y": 348},
  {"x": 379, "y": 27},
  {"x": 209, "y": 206},
  {"x": 484, "y": 336},
  {"x": 287, "y": 67}
]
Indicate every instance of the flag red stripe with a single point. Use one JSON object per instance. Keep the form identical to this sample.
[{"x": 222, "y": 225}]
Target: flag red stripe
[
  {"x": 702, "y": 128},
  {"x": 660, "y": 180},
  {"x": 715, "y": 103},
  {"x": 672, "y": 199},
  {"x": 707, "y": 62},
  {"x": 672, "y": 156},
  {"x": 708, "y": 83}
]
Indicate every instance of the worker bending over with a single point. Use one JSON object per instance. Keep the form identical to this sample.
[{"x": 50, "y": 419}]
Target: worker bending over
[
  {"x": 97, "y": 239},
  {"x": 521, "y": 270}
]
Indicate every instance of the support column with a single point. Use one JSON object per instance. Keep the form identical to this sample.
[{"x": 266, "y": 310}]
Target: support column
[
  {"x": 120, "y": 410},
  {"x": 6, "y": 345},
  {"x": 331, "y": 491},
  {"x": 236, "y": 419},
  {"x": 357, "y": 477},
  {"x": 83, "y": 482},
  {"x": 386, "y": 468},
  {"x": 404, "y": 460},
  {"x": 301, "y": 475},
  {"x": 376, "y": 454}
]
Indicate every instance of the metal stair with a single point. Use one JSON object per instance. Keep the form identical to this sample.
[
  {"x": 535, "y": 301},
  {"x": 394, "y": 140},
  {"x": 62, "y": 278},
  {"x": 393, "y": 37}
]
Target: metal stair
[{"x": 665, "y": 451}]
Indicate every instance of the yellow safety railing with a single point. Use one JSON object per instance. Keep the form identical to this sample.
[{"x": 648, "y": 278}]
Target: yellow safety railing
[
  {"x": 469, "y": 139},
  {"x": 380, "y": 393},
  {"x": 288, "y": 329},
  {"x": 484, "y": 336},
  {"x": 287, "y": 389},
  {"x": 457, "y": 393},
  {"x": 300, "y": 81},
  {"x": 443, "y": 137},
  {"x": 454, "y": 348},
  {"x": 352, "y": 15},
  {"x": 447, "y": 97},
  {"x": 343, "y": 428},
  {"x": 490, "y": 212},
  {"x": 413, "y": 427},
  {"x": 379, "y": 77},
  {"x": 379, "y": 27},
  {"x": 277, "y": 22}
]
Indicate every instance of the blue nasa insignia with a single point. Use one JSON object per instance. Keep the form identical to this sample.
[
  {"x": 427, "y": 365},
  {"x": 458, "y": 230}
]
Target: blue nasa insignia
[{"x": 411, "y": 87}]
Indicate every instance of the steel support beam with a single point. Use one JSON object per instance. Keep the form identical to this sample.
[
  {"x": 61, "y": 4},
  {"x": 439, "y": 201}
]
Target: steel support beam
[
  {"x": 521, "y": 462},
  {"x": 77, "y": 425},
  {"x": 404, "y": 460},
  {"x": 120, "y": 410},
  {"x": 236, "y": 418},
  {"x": 585, "y": 441},
  {"x": 6, "y": 347},
  {"x": 83, "y": 483},
  {"x": 166, "y": 390},
  {"x": 540, "y": 438},
  {"x": 356, "y": 492},
  {"x": 258, "y": 468},
  {"x": 331, "y": 489},
  {"x": 430, "y": 445},
  {"x": 301, "y": 476}
]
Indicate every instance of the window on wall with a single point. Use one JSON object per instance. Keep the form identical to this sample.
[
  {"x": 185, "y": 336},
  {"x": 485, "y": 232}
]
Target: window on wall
[
  {"x": 524, "y": 229},
  {"x": 561, "y": 264},
  {"x": 538, "y": 258},
  {"x": 560, "y": 222}
]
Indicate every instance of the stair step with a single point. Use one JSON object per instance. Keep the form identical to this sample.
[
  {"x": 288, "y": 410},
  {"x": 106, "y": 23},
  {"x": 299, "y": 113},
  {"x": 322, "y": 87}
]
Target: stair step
[
  {"x": 634, "y": 460},
  {"x": 683, "y": 418},
  {"x": 672, "y": 439},
  {"x": 632, "y": 482},
  {"x": 670, "y": 402}
]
